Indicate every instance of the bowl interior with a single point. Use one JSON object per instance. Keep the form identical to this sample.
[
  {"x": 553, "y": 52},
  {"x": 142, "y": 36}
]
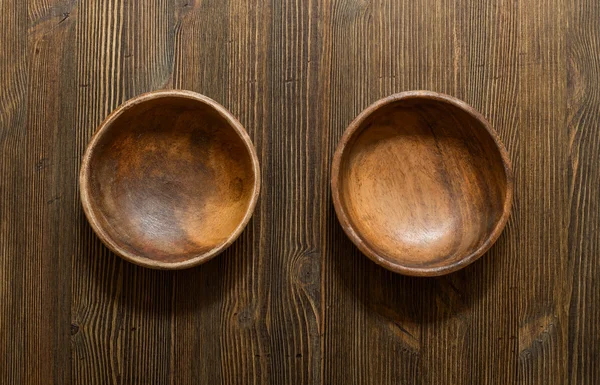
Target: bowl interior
[
  {"x": 169, "y": 179},
  {"x": 422, "y": 183}
]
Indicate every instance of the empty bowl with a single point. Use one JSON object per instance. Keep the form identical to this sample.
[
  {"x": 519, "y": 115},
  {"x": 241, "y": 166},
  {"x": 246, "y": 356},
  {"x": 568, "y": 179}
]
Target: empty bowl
[
  {"x": 421, "y": 183},
  {"x": 169, "y": 180}
]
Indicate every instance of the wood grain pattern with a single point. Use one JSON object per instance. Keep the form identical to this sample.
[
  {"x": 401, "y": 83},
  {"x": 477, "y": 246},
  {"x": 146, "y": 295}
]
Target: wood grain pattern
[
  {"x": 292, "y": 301},
  {"x": 583, "y": 119},
  {"x": 169, "y": 179},
  {"x": 13, "y": 184},
  {"x": 421, "y": 183},
  {"x": 544, "y": 283},
  {"x": 123, "y": 49}
]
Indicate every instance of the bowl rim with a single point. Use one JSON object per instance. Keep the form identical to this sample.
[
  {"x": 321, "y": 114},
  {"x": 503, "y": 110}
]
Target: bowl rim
[
  {"x": 84, "y": 176},
  {"x": 355, "y": 236}
]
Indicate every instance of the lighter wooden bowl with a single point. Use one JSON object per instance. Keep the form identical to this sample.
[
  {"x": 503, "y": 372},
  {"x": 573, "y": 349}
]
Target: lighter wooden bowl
[
  {"x": 169, "y": 180},
  {"x": 421, "y": 183}
]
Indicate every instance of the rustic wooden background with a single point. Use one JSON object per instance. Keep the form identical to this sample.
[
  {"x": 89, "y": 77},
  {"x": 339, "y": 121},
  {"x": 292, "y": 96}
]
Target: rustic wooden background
[{"x": 293, "y": 301}]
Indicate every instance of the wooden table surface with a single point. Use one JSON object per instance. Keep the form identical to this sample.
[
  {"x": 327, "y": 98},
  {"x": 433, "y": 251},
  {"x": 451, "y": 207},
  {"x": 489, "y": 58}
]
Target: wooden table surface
[{"x": 293, "y": 301}]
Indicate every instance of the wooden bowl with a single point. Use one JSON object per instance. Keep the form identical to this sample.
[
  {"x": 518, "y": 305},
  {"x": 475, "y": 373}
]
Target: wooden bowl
[
  {"x": 421, "y": 183},
  {"x": 169, "y": 180}
]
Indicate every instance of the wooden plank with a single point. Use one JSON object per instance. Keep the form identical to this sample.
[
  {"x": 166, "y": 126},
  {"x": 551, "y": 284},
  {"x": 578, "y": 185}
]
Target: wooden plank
[
  {"x": 583, "y": 121},
  {"x": 243, "y": 335},
  {"x": 37, "y": 260},
  {"x": 122, "y": 314},
  {"x": 13, "y": 186},
  {"x": 293, "y": 268},
  {"x": 542, "y": 198},
  {"x": 49, "y": 200}
]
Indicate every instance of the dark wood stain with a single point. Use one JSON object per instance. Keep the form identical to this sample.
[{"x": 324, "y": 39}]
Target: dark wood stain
[{"x": 293, "y": 301}]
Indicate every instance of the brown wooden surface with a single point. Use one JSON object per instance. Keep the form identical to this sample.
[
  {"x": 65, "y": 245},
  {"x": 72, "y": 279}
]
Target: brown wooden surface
[{"x": 293, "y": 301}]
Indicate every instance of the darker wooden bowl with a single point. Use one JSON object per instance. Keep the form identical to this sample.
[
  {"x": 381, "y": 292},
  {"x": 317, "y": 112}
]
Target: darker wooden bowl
[
  {"x": 421, "y": 183},
  {"x": 169, "y": 180}
]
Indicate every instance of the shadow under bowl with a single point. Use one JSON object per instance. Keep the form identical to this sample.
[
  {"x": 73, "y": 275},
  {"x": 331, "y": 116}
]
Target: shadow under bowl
[
  {"x": 169, "y": 180},
  {"x": 421, "y": 183}
]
